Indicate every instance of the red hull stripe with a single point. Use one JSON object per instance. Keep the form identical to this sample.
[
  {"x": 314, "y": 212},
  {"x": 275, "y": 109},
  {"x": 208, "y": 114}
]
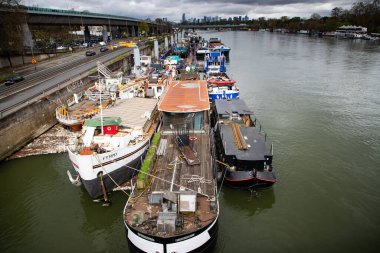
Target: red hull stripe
[
  {"x": 238, "y": 180},
  {"x": 266, "y": 180}
]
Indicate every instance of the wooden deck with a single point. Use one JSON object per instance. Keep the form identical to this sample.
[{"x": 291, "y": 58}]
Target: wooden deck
[
  {"x": 172, "y": 167},
  {"x": 172, "y": 174}
]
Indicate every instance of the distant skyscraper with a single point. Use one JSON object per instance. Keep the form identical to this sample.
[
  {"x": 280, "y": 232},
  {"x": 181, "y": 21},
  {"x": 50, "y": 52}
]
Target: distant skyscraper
[{"x": 183, "y": 18}]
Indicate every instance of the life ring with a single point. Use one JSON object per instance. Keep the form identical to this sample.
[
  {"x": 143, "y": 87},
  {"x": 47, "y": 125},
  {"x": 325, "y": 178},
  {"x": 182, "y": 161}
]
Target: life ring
[
  {"x": 109, "y": 128},
  {"x": 193, "y": 138}
]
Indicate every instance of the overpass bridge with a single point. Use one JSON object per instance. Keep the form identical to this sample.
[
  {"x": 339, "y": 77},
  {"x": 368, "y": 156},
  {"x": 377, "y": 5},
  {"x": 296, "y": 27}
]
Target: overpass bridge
[{"x": 40, "y": 17}]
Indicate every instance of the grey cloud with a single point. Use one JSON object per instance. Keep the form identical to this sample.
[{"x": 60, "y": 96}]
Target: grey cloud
[{"x": 173, "y": 9}]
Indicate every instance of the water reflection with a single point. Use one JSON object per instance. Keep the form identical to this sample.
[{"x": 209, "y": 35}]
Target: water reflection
[{"x": 251, "y": 202}]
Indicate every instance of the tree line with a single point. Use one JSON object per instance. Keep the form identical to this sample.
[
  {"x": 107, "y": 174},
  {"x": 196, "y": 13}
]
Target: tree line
[{"x": 361, "y": 13}]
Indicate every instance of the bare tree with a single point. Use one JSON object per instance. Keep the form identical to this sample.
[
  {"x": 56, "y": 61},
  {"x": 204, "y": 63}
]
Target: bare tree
[
  {"x": 11, "y": 19},
  {"x": 315, "y": 16},
  {"x": 337, "y": 12}
]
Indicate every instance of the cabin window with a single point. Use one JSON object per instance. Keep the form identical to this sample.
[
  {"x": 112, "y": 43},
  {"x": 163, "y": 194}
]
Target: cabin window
[
  {"x": 198, "y": 121},
  {"x": 190, "y": 121}
]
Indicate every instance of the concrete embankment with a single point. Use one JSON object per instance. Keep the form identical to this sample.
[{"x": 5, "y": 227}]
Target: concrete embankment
[
  {"x": 55, "y": 140},
  {"x": 24, "y": 125}
]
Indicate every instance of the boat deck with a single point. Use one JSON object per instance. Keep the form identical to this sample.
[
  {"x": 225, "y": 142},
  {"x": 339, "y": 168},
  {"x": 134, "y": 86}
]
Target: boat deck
[
  {"x": 172, "y": 167},
  {"x": 255, "y": 139},
  {"x": 172, "y": 171},
  {"x": 86, "y": 108},
  {"x": 134, "y": 112}
]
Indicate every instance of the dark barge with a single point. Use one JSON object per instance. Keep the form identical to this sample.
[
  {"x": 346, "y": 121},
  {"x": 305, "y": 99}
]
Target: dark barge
[{"x": 242, "y": 148}]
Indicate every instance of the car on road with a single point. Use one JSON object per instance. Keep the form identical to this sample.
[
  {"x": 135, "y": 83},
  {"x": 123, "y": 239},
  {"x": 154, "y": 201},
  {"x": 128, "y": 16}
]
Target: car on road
[
  {"x": 13, "y": 79},
  {"x": 61, "y": 47},
  {"x": 90, "y": 53},
  {"x": 103, "y": 49}
]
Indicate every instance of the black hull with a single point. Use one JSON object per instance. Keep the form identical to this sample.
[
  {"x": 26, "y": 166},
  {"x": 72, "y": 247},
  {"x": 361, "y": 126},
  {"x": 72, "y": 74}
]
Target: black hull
[
  {"x": 246, "y": 180},
  {"x": 253, "y": 183},
  {"x": 120, "y": 175},
  {"x": 205, "y": 247}
]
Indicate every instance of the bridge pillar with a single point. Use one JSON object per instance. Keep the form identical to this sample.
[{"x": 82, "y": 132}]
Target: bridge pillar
[
  {"x": 155, "y": 30},
  {"x": 166, "y": 43},
  {"x": 126, "y": 31},
  {"x": 133, "y": 31},
  {"x": 28, "y": 38},
  {"x": 156, "y": 54},
  {"x": 117, "y": 32},
  {"x": 105, "y": 33},
  {"x": 87, "y": 35}
]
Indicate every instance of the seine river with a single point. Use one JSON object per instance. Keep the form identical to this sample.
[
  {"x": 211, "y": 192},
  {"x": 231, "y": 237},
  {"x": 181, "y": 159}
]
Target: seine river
[{"x": 319, "y": 101}]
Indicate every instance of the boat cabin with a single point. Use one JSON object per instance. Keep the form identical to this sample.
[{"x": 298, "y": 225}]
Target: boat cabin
[
  {"x": 104, "y": 135},
  {"x": 181, "y": 107},
  {"x": 215, "y": 62}
]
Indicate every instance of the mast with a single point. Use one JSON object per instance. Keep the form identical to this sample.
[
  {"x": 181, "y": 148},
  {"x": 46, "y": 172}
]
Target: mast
[{"x": 100, "y": 99}]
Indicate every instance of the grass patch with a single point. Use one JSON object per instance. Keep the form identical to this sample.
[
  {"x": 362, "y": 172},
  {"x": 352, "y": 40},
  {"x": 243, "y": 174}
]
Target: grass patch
[{"x": 149, "y": 157}]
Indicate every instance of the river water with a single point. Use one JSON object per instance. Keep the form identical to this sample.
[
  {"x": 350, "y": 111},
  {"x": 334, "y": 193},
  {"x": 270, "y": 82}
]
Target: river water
[{"x": 319, "y": 101}]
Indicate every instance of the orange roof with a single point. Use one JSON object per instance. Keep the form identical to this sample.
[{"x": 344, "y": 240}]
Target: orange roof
[{"x": 185, "y": 96}]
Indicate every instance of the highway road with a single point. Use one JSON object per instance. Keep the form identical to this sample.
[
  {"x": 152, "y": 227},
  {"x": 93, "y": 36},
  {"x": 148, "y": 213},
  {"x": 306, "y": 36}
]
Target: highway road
[{"x": 44, "y": 80}]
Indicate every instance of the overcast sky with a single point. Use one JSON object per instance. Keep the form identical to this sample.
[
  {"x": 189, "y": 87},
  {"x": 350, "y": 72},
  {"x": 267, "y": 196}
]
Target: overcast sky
[{"x": 173, "y": 9}]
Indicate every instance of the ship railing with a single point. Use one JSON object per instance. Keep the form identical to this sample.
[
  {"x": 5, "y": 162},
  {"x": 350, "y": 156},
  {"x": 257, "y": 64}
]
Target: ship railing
[
  {"x": 63, "y": 117},
  {"x": 267, "y": 140}
]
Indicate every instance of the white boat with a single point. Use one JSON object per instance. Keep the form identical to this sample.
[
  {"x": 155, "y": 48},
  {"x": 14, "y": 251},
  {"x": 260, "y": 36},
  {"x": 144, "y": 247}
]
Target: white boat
[
  {"x": 76, "y": 109},
  {"x": 156, "y": 85},
  {"x": 350, "y": 31},
  {"x": 114, "y": 143},
  {"x": 145, "y": 60},
  {"x": 105, "y": 87}
]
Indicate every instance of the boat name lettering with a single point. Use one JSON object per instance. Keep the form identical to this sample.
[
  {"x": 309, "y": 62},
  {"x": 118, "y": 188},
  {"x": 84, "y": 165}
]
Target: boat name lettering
[
  {"x": 145, "y": 237},
  {"x": 109, "y": 156},
  {"x": 184, "y": 238}
]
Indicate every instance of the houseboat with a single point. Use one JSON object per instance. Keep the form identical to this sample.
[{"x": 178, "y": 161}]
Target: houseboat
[
  {"x": 215, "y": 63},
  {"x": 215, "y": 44},
  {"x": 351, "y": 32},
  {"x": 220, "y": 85},
  {"x": 174, "y": 207},
  {"x": 242, "y": 146},
  {"x": 113, "y": 143}
]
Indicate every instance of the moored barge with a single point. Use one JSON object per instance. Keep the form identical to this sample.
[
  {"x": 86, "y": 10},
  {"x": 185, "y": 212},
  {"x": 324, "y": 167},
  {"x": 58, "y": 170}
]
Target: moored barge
[
  {"x": 176, "y": 209},
  {"x": 242, "y": 146}
]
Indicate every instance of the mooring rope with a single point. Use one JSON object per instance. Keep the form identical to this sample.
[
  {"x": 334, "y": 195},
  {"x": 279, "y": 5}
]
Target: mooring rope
[{"x": 108, "y": 174}]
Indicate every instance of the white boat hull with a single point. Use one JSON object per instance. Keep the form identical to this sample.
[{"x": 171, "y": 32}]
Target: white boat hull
[
  {"x": 119, "y": 165},
  {"x": 198, "y": 241}
]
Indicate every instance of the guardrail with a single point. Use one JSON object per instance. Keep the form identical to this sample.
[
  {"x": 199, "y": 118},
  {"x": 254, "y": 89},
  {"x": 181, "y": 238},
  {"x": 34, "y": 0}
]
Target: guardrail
[
  {"x": 48, "y": 91},
  {"x": 41, "y": 95}
]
